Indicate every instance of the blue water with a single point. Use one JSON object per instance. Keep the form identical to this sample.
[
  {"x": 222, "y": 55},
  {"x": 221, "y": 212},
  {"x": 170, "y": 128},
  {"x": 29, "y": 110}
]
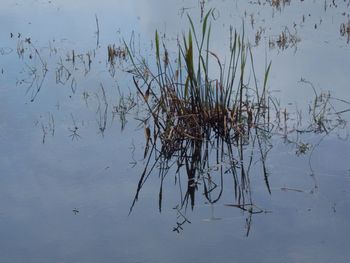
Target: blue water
[{"x": 66, "y": 187}]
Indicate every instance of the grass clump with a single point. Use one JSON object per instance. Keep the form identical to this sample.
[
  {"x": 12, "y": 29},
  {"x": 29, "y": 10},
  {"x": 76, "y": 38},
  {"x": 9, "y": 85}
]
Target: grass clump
[
  {"x": 186, "y": 102},
  {"x": 198, "y": 105}
]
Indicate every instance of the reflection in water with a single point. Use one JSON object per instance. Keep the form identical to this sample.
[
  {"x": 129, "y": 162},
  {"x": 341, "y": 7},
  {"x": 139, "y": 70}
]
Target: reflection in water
[
  {"x": 201, "y": 127},
  {"x": 345, "y": 30},
  {"x": 207, "y": 159},
  {"x": 285, "y": 39},
  {"x": 207, "y": 164},
  {"x": 47, "y": 127},
  {"x": 74, "y": 131},
  {"x": 223, "y": 157},
  {"x": 208, "y": 130},
  {"x": 36, "y": 71}
]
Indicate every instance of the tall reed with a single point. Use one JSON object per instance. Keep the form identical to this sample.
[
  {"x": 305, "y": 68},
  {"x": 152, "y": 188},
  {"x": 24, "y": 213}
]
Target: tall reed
[{"x": 192, "y": 110}]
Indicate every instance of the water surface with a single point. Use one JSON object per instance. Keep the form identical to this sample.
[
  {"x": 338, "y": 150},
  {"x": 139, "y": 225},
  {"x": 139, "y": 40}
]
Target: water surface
[{"x": 67, "y": 178}]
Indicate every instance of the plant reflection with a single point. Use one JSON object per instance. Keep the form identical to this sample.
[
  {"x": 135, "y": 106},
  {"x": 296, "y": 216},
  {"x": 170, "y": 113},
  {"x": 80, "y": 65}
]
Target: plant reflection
[
  {"x": 210, "y": 131},
  {"x": 206, "y": 131},
  {"x": 206, "y": 165}
]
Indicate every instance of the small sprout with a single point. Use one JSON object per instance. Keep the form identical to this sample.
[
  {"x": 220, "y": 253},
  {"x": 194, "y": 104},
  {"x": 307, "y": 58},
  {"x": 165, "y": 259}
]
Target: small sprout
[
  {"x": 302, "y": 148},
  {"x": 76, "y": 211},
  {"x": 74, "y": 133}
]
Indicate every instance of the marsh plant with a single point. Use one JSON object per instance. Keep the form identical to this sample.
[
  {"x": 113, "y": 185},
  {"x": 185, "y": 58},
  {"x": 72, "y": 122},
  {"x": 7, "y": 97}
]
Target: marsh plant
[
  {"x": 286, "y": 39},
  {"x": 279, "y": 3},
  {"x": 345, "y": 30},
  {"x": 203, "y": 117},
  {"x": 209, "y": 123}
]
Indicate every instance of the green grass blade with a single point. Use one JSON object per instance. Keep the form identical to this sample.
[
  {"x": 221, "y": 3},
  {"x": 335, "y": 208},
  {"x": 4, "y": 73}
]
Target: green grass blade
[{"x": 157, "y": 46}]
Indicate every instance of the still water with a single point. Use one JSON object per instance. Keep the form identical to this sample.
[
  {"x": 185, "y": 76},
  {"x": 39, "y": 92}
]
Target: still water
[{"x": 70, "y": 165}]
